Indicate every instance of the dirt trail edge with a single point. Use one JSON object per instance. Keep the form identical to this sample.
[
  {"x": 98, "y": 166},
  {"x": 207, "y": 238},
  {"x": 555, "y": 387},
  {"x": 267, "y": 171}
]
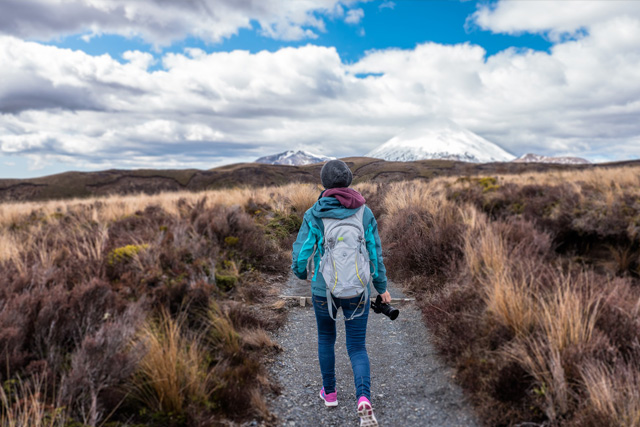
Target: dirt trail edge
[{"x": 410, "y": 386}]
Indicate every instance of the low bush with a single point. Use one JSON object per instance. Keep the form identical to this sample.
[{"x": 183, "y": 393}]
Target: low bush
[
  {"x": 582, "y": 219},
  {"x": 529, "y": 290},
  {"x": 131, "y": 317}
]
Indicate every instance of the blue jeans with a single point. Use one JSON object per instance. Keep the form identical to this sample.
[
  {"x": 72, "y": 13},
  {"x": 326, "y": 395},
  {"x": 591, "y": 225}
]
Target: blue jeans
[{"x": 356, "y": 330}]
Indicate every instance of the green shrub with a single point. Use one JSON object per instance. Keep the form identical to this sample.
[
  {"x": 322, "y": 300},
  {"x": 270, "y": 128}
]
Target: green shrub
[
  {"x": 125, "y": 253},
  {"x": 283, "y": 226},
  {"x": 231, "y": 241},
  {"x": 225, "y": 282}
]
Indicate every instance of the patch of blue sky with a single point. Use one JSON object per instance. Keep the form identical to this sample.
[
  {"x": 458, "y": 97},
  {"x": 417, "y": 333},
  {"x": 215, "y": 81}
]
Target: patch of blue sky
[
  {"x": 412, "y": 22},
  {"x": 18, "y": 167},
  {"x": 407, "y": 24},
  {"x": 110, "y": 44},
  {"x": 365, "y": 75},
  {"x": 403, "y": 26}
]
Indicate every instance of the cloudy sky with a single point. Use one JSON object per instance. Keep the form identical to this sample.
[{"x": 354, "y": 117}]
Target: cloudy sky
[{"x": 97, "y": 84}]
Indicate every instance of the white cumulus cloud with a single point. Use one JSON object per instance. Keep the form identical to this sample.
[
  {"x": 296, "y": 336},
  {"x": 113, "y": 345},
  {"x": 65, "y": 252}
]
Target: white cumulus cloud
[
  {"x": 161, "y": 22},
  {"x": 202, "y": 109},
  {"x": 557, "y": 18},
  {"x": 354, "y": 16}
]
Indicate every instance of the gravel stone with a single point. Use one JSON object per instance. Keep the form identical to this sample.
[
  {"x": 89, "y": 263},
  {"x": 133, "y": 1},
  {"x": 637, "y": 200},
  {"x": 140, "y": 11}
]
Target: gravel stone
[{"x": 410, "y": 386}]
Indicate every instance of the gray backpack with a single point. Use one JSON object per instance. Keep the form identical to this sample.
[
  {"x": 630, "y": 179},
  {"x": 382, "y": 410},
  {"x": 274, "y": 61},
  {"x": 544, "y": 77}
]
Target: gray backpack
[{"x": 345, "y": 263}]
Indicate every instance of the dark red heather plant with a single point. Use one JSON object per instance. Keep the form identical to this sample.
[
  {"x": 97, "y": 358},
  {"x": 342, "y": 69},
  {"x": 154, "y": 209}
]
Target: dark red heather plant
[
  {"x": 540, "y": 323},
  {"x": 76, "y": 295},
  {"x": 428, "y": 248}
]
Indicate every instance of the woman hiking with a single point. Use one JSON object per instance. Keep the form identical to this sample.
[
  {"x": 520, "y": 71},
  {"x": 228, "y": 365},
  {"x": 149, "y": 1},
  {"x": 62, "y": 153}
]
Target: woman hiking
[{"x": 341, "y": 234}]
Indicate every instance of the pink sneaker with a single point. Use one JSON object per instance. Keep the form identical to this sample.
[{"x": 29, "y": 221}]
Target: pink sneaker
[
  {"x": 366, "y": 413},
  {"x": 330, "y": 399}
]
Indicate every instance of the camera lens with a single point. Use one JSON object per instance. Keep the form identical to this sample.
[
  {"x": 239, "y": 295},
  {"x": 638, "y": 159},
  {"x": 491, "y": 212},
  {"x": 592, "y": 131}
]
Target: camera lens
[
  {"x": 390, "y": 311},
  {"x": 385, "y": 309}
]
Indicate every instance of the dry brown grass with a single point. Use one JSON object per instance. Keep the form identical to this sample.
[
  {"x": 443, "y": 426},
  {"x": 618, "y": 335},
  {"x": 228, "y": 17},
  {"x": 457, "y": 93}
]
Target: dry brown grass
[
  {"x": 18, "y": 221},
  {"x": 508, "y": 297},
  {"x": 511, "y": 303},
  {"x": 549, "y": 328},
  {"x": 365, "y": 187},
  {"x": 485, "y": 251},
  {"x": 422, "y": 196},
  {"x": 517, "y": 302},
  {"x": 568, "y": 317},
  {"x": 9, "y": 246},
  {"x": 258, "y": 338},
  {"x": 90, "y": 247},
  {"x": 71, "y": 269},
  {"x": 300, "y": 198},
  {"x": 613, "y": 394},
  {"x": 174, "y": 370},
  {"x": 609, "y": 179},
  {"x": 610, "y": 183},
  {"x": 110, "y": 208},
  {"x": 545, "y": 323},
  {"x": 544, "y": 363},
  {"x": 182, "y": 367},
  {"x": 24, "y": 405},
  {"x": 413, "y": 194},
  {"x": 221, "y": 331}
]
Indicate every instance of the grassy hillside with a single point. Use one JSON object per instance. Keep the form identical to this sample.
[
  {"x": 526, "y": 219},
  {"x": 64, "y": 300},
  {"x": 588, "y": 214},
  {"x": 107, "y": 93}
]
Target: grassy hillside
[
  {"x": 531, "y": 286},
  {"x": 88, "y": 184},
  {"x": 143, "y": 310},
  {"x": 155, "y": 309}
]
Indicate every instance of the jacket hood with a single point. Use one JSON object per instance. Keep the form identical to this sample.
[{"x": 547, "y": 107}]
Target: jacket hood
[
  {"x": 330, "y": 207},
  {"x": 348, "y": 197}
]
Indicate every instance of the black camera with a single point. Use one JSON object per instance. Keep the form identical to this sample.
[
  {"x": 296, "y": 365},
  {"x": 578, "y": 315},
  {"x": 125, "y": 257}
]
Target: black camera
[{"x": 379, "y": 307}]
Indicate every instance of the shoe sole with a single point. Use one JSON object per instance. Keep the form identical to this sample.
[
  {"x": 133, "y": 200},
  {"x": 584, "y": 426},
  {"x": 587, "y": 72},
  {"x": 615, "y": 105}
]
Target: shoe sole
[
  {"x": 328, "y": 403},
  {"x": 367, "y": 419}
]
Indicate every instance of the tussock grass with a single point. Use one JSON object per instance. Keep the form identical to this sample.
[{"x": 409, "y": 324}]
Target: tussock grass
[
  {"x": 77, "y": 277},
  {"x": 485, "y": 250},
  {"x": 603, "y": 179},
  {"x": 426, "y": 228},
  {"x": 415, "y": 195},
  {"x": 544, "y": 363},
  {"x": 366, "y": 187},
  {"x": 174, "y": 371},
  {"x": 90, "y": 247},
  {"x": 114, "y": 207},
  {"x": 530, "y": 285},
  {"x": 24, "y": 404},
  {"x": 10, "y": 247},
  {"x": 510, "y": 302},
  {"x": 613, "y": 393},
  {"x": 258, "y": 338},
  {"x": 221, "y": 331},
  {"x": 568, "y": 317},
  {"x": 299, "y": 199}
]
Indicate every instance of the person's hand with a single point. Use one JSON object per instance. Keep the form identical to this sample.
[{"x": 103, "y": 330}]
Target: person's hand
[{"x": 386, "y": 297}]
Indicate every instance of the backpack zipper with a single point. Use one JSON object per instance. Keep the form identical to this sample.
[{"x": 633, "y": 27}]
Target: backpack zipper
[{"x": 357, "y": 270}]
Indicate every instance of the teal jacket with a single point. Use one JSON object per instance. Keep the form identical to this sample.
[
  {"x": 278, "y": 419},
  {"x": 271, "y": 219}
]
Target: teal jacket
[{"x": 310, "y": 242}]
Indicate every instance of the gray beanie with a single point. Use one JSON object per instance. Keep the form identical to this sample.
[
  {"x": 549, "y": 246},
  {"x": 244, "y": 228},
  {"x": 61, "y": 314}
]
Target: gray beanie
[{"x": 335, "y": 174}]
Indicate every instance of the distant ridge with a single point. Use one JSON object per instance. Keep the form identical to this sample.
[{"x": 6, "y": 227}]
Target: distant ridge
[
  {"x": 536, "y": 158},
  {"x": 294, "y": 158},
  {"x": 103, "y": 183},
  {"x": 440, "y": 139}
]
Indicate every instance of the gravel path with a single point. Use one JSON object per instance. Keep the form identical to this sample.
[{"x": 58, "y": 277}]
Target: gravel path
[{"x": 410, "y": 386}]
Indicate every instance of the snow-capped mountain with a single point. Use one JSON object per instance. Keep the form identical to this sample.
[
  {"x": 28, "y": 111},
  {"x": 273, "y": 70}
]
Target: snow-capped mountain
[
  {"x": 440, "y": 139},
  {"x": 536, "y": 158},
  {"x": 293, "y": 158}
]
